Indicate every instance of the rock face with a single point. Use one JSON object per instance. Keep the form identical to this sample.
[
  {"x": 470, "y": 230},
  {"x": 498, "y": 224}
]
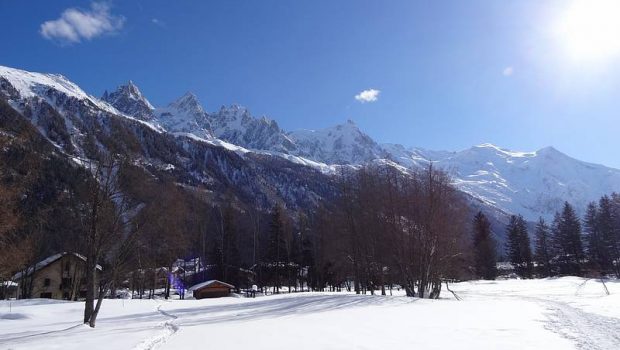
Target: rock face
[
  {"x": 230, "y": 146},
  {"x": 129, "y": 100},
  {"x": 185, "y": 115},
  {"x": 341, "y": 144},
  {"x": 81, "y": 127},
  {"x": 236, "y": 125}
]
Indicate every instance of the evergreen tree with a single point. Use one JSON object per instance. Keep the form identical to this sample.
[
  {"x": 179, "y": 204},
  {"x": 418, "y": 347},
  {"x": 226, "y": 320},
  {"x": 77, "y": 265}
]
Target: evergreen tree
[
  {"x": 276, "y": 247},
  {"x": 543, "y": 251},
  {"x": 614, "y": 239},
  {"x": 593, "y": 237},
  {"x": 484, "y": 248},
  {"x": 567, "y": 240},
  {"x": 231, "y": 258},
  {"x": 601, "y": 231},
  {"x": 518, "y": 246}
]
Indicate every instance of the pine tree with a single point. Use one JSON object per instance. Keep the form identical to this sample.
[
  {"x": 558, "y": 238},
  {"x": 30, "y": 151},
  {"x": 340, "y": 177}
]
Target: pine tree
[
  {"x": 614, "y": 239},
  {"x": 276, "y": 248},
  {"x": 484, "y": 248},
  {"x": 593, "y": 237},
  {"x": 518, "y": 246},
  {"x": 231, "y": 258},
  {"x": 567, "y": 239},
  {"x": 543, "y": 251}
]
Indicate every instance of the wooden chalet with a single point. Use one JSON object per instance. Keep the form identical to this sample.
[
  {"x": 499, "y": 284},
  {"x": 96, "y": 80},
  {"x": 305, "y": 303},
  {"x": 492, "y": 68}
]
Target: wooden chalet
[
  {"x": 211, "y": 289},
  {"x": 60, "y": 276}
]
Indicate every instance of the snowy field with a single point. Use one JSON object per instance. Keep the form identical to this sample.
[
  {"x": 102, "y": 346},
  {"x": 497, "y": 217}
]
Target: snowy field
[{"x": 565, "y": 313}]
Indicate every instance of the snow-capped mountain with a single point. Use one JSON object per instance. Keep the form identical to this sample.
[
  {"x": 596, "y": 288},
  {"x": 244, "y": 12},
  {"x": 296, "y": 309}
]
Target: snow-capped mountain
[
  {"x": 530, "y": 183},
  {"x": 341, "y": 144},
  {"x": 80, "y": 128},
  {"x": 236, "y": 125},
  {"x": 129, "y": 100},
  {"x": 185, "y": 115}
]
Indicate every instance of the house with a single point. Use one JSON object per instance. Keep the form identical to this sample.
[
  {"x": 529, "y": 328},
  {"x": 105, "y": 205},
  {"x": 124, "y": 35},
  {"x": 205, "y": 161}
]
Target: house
[
  {"x": 211, "y": 289},
  {"x": 60, "y": 276},
  {"x": 8, "y": 290}
]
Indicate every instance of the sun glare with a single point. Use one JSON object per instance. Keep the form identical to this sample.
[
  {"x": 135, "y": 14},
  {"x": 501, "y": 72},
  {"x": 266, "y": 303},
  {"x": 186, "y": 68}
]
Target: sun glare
[{"x": 590, "y": 29}]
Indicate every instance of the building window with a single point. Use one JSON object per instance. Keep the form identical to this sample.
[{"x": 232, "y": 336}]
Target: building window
[
  {"x": 46, "y": 295},
  {"x": 47, "y": 282},
  {"x": 68, "y": 266}
]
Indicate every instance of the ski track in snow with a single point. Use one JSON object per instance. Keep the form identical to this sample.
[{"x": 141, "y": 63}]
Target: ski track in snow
[
  {"x": 588, "y": 331},
  {"x": 28, "y": 335},
  {"x": 169, "y": 329}
]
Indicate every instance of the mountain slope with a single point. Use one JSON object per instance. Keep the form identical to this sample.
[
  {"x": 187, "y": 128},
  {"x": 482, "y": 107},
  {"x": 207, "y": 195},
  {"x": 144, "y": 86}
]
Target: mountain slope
[
  {"x": 83, "y": 128},
  {"x": 341, "y": 144},
  {"x": 236, "y": 125},
  {"x": 129, "y": 100},
  {"x": 185, "y": 115},
  {"x": 240, "y": 147},
  {"x": 530, "y": 183}
]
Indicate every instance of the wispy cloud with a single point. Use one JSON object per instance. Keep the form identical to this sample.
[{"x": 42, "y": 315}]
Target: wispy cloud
[
  {"x": 158, "y": 22},
  {"x": 370, "y": 95},
  {"x": 75, "y": 25},
  {"x": 508, "y": 71}
]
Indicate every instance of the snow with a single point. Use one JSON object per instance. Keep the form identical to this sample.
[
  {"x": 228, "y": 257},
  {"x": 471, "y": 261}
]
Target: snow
[
  {"x": 208, "y": 283},
  {"x": 185, "y": 115},
  {"x": 41, "y": 264},
  {"x": 341, "y": 144},
  {"x": 529, "y": 183},
  {"x": 562, "y": 313},
  {"x": 533, "y": 184},
  {"x": 30, "y": 84}
]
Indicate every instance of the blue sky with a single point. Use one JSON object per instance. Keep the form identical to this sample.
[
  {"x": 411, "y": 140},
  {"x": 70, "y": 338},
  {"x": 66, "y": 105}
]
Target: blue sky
[{"x": 451, "y": 74}]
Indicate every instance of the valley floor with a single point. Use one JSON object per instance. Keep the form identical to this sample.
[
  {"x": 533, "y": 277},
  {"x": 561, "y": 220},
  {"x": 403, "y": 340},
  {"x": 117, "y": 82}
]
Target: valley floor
[{"x": 563, "y": 313}]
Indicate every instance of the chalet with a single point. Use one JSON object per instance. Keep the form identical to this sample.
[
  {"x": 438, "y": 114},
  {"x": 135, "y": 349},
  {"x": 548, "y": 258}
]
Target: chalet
[
  {"x": 211, "y": 289},
  {"x": 60, "y": 276}
]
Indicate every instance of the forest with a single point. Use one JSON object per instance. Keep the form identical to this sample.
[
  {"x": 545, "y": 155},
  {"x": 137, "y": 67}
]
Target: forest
[{"x": 384, "y": 228}]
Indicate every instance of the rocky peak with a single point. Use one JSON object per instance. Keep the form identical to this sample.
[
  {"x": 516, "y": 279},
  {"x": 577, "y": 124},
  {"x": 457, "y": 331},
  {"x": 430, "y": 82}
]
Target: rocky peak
[{"x": 128, "y": 99}]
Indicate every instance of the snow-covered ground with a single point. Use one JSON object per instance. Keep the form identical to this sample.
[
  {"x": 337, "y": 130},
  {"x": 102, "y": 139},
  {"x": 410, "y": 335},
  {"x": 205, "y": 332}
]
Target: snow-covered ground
[{"x": 564, "y": 313}]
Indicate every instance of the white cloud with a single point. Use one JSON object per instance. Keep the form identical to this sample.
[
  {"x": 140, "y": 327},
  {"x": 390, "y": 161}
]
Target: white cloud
[
  {"x": 157, "y": 22},
  {"x": 370, "y": 95},
  {"x": 75, "y": 25},
  {"x": 508, "y": 71}
]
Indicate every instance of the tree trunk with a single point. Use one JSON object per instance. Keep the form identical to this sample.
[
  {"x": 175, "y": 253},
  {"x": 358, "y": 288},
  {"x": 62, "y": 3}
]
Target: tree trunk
[
  {"x": 93, "y": 316},
  {"x": 89, "y": 304}
]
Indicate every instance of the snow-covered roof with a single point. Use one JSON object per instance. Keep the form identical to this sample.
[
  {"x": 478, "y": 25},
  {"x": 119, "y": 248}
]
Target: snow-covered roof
[
  {"x": 208, "y": 283},
  {"x": 43, "y": 263}
]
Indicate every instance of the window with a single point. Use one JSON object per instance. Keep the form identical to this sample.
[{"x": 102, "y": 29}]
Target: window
[
  {"x": 47, "y": 282},
  {"x": 68, "y": 266},
  {"x": 45, "y": 295}
]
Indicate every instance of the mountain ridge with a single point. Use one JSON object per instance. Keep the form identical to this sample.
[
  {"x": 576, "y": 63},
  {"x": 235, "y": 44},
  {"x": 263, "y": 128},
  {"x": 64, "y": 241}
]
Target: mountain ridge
[{"x": 530, "y": 183}]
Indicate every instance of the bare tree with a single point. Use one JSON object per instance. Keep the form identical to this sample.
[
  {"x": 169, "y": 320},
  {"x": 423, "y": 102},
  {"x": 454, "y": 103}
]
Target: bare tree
[{"x": 110, "y": 232}]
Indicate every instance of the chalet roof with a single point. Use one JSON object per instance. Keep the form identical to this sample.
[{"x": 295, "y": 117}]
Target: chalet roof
[
  {"x": 208, "y": 283},
  {"x": 49, "y": 260}
]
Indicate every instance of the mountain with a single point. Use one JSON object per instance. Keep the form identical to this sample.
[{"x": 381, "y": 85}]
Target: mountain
[
  {"x": 185, "y": 115},
  {"x": 82, "y": 128},
  {"x": 236, "y": 125},
  {"x": 230, "y": 148},
  {"x": 529, "y": 183},
  {"x": 129, "y": 100},
  {"x": 341, "y": 144}
]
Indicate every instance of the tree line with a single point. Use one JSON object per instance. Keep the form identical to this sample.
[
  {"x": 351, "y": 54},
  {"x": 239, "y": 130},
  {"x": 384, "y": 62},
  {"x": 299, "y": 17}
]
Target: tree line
[
  {"x": 386, "y": 228},
  {"x": 569, "y": 245}
]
